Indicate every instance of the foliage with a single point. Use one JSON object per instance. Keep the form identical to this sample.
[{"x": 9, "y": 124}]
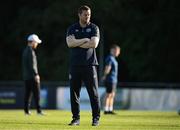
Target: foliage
[{"x": 147, "y": 31}]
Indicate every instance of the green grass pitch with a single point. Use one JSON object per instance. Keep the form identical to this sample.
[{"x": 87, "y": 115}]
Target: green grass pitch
[{"x": 58, "y": 120}]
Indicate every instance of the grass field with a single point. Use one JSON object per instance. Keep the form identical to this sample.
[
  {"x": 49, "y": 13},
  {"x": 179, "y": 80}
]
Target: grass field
[{"x": 58, "y": 120}]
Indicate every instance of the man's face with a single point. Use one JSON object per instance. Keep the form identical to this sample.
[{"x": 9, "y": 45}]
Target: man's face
[
  {"x": 34, "y": 45},
  {"x": 117, "y": 52},
  {"x": 85, "y": 16}
]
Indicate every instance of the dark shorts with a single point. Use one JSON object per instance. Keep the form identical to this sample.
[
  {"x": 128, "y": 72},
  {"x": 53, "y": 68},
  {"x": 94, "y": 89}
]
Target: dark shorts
[{"x": 110, "y": 87}]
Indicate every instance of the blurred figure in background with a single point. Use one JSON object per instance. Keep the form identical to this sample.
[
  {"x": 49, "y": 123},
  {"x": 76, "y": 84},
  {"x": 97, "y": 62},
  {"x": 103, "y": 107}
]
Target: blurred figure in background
[
  {"x": 110, "y": 78},
  {"x": 31, "y": 75}
]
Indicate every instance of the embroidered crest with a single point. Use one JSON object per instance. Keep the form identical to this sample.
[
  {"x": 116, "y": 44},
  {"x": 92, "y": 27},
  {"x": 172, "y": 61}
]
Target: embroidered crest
[{"x": 88, "y": 30}]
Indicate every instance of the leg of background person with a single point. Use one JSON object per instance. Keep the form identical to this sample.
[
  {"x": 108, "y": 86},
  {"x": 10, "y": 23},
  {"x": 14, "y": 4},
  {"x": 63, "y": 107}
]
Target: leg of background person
[
  {"x": 107, "y": 102},
  {"x": 28, "y": 95},
  {"x": 111, "y": 101},
  {"x": 36, "y": 93}
]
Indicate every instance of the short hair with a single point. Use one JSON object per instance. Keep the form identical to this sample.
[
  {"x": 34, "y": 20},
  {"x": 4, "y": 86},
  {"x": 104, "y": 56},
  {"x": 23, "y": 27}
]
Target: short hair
[
  {"x": 114, "y": 46},
  {"x": 82, "y": 8}
]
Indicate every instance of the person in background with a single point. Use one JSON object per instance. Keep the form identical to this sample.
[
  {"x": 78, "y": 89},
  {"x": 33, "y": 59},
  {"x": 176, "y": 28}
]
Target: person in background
[
  {"x": 110, "y": 78},
  {"x": 30, "y": 74}
]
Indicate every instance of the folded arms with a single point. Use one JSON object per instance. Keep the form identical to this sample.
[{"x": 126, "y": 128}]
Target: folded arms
[{"x": 83, "y": 43}]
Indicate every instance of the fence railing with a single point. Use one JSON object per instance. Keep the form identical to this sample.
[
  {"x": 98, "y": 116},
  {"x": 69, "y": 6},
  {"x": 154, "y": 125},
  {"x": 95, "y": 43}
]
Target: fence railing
[{"x": 145, "y": 85}]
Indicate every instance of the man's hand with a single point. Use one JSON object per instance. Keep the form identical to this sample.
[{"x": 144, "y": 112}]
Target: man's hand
[
  {"x": 92, "y": 43},
  {"x": 73, "y": 42},
  {"x": 37, "y": 78},
  {"x": 103, "y": 78},
  {"x": 107, "y": 70}
]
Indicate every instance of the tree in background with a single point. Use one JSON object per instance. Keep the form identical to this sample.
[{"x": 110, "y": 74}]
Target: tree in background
[{"x": 147, "y": 31}]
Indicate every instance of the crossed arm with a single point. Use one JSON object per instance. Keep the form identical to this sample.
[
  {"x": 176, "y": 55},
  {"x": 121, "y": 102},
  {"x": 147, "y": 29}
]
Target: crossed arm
[{"x": 83, "y": 43}]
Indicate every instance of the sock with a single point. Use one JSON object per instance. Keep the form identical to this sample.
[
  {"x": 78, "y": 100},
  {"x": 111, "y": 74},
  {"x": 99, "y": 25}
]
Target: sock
[
  {"x": 106, "y": 108},
  {"x": 111, "y": 108}
]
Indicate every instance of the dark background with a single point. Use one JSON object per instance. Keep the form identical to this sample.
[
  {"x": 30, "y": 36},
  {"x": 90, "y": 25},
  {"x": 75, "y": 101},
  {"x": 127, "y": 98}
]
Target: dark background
[{"x": 147, "y": 31}]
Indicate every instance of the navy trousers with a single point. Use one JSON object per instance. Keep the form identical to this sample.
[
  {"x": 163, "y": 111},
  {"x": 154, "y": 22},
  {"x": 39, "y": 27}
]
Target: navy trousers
[
  {"x": 32, "y": 88},
  {"x": 88, "y": 76}
]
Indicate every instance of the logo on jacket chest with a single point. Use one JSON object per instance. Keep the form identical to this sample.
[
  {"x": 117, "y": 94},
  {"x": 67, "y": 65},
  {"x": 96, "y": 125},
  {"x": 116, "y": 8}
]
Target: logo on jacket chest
[{"x": 87, "y": 30}]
